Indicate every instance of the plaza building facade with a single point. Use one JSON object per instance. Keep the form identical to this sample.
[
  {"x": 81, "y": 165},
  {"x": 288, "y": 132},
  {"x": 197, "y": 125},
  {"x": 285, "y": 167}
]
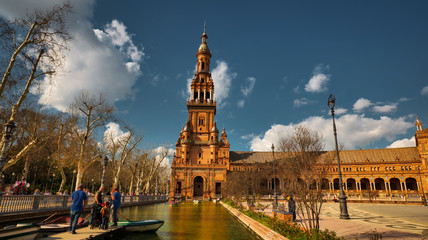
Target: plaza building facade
[{"x": 202, "y": 159}]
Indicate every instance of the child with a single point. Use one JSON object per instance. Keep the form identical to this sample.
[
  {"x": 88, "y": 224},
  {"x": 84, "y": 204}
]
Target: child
[{"x": 105, "y": 212}]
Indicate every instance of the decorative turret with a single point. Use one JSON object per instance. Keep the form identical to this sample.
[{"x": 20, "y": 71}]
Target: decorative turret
[
  {"x": 224, "y": 137},
  {"x": 421, "y": 138},
  {"x": 418, "y": 125},
  {"x": 214, "y": 134}
]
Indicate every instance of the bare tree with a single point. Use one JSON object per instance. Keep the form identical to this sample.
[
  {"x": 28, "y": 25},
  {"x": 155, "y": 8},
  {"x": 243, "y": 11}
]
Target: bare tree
[
  {"x": 158, "y": 158},
  {"x": 36, "y": 55},
  {"x": 121, "y": 146},
  {"x": 36, "y": 129},
  {"x": 91, "y": 112},
  {"x": 303, "y": 169}
]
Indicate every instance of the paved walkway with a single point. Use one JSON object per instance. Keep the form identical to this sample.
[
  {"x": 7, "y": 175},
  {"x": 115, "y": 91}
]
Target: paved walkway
[{"x": 392, "y": 221}]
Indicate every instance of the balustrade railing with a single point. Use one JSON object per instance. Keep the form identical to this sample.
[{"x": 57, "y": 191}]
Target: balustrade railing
[{"x": 31, "y": 203}]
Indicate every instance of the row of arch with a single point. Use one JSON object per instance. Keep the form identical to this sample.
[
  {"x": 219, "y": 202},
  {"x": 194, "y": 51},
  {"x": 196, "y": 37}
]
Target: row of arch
[{"x": 379, "y": 184}]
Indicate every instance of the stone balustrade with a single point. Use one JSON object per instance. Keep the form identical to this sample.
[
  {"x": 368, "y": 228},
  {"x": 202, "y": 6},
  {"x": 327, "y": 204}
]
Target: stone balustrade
[{"x": 30, "y": 203}]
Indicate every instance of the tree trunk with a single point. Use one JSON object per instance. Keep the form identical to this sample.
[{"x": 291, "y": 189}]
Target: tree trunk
[
  {"x": 147, "y": 187},
  {"x": 26, "y": 169},
  {"x": 139, "y": 179},
  {"x": 79, "y": 175},
  {"x": 131, "y": 186},
  {"x": 63, "y": 180},
  {"x": 116, "y": 177}
]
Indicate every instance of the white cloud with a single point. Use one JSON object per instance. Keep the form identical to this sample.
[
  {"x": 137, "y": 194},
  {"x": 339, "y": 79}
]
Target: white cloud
[
  {"x": 247, "y": 90},
  {"x": 353, "y": 131},
  {"x": 300, "y": 102},
  {"x": 340, "y": 111},
  {"x": 385, "y": 108},
  {"x": 424, "y": 91},
  {"x": 160, "y": 151},
  {"x": 319, "y": 80},
  {"x": 405, "y": 142},
  {"x": 361, "y": 104},
  {"x": 248, "y": 136},
  {"x": 241, "y": 103},
  {"x": 113, "y": 134},
  {"x": 222, "y": 77},
  {"x": 99, "y": 60}
]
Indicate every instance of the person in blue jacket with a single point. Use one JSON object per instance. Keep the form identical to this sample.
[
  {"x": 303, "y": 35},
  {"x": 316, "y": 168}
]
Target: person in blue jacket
[
  {"x": 115, "y": 197},
  {"x": 79, "y": 203}
]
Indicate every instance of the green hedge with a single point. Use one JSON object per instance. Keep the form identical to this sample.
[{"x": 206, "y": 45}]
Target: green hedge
[{"x": 290, "y": 231}]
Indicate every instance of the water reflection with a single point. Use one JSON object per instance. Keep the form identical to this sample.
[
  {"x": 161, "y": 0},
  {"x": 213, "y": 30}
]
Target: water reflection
[{"x": 188, "y": 221}]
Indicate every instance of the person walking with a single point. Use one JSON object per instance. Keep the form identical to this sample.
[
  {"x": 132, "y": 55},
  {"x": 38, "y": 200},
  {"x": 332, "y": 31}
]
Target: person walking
[
  {"x": 79, "y": 203},
  {"x": 115, "y": 197}
]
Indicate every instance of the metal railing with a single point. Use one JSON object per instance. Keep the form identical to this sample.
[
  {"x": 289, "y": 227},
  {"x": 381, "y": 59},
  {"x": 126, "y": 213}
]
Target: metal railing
[{"x": 31, "y": 203}]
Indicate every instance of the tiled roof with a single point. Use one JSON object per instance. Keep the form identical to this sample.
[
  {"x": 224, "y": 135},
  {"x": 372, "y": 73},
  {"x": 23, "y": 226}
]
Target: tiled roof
[{"x": 346, "y": 156}]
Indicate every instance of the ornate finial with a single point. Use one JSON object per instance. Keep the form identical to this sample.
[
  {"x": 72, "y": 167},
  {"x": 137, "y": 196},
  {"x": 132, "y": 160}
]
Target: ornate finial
[{"x": 205, "y": 26}]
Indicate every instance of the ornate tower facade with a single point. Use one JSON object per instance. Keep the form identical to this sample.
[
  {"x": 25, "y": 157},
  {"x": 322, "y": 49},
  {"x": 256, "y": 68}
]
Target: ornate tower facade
[{"x": 201, "y": 160}]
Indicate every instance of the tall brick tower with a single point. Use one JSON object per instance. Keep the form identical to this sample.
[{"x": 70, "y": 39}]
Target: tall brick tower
[{"x": 201, "y": 160}]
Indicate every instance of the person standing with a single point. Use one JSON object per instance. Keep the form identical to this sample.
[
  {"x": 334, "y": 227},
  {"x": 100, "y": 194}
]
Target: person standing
[
  {"x": 105, "y": 212},
  {"x": 79, "y": 203},
  {"x": 98, "y": 200},
  {"x": 115, "y": 197}
]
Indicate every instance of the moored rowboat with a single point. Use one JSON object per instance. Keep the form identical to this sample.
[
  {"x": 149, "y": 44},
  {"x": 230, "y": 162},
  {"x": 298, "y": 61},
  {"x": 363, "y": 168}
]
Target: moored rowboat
[
  {"x": 141, "y": 226},
  {"x": 61, "y": 225},
  {"x": 22, "y": 232}
]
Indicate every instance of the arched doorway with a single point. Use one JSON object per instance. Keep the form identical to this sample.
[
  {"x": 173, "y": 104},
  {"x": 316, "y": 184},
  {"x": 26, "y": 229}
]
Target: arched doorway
[
  {"x": 411, "y": 184},
  {"x": 351, "y": 184},
  {"x": 379, "y": 184},
  {"x": 336, "y": 184},
  {"x": 324, "y": 184},
  {"x": 365, "y": 184},
  {"x": 394, "y": 184},
  {"x": 198, "y": 187}
]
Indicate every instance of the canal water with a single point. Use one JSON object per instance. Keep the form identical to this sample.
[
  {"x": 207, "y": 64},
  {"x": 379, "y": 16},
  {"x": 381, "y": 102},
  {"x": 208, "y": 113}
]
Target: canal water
[{"x": 188, "y": 221}]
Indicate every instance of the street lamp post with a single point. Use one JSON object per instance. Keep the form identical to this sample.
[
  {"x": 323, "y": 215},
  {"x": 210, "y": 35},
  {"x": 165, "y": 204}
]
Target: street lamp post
[
  {"x": 342, "y": 197},
  {"x": 275, "y": 201},
  {"x": 13, "y": 178},
  {"x": 72, "y": 182},
  {"x": 424, "y": 200},
  {"x": 53, "y": 176},
  {"x": 8, "y": 129}
]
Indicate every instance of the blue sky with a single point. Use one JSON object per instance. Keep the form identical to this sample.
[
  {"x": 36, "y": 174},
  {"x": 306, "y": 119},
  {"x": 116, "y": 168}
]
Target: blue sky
[{"x": 275, "y": 63}]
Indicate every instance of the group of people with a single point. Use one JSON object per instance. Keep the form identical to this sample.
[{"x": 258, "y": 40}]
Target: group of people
[{"x": 80, "y": 200}]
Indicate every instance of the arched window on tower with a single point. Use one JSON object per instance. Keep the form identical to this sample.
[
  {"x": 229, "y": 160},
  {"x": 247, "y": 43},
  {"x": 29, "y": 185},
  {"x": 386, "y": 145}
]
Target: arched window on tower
[
  {"x": 208, "y": 95},
  {"x": 203, "y": 66},
  {"x": 195, "y": 95}
]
